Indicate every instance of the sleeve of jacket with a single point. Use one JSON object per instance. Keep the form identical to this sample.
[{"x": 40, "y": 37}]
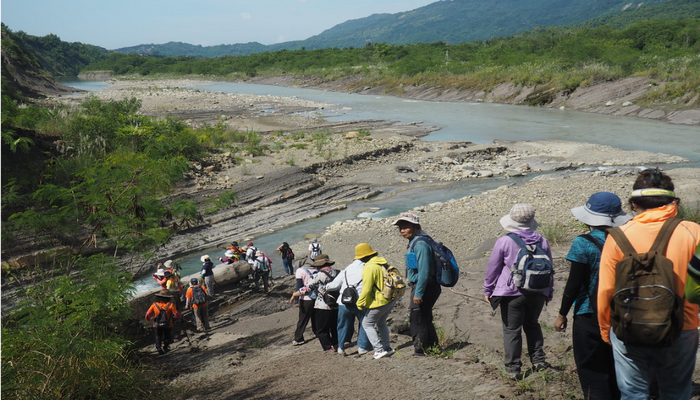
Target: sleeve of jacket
[
  {"x": 373, "y": 280},
  {"x": 606, "y": 285},
  {"x": 424, "y": 259},
  {"x": 151, "y": 313},
  {"x": 494, "y": 268},
  {"x": 174, "y": 311}
]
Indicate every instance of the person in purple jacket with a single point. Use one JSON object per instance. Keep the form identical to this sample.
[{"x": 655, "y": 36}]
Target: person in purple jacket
[{"x": 520, "y": 310}]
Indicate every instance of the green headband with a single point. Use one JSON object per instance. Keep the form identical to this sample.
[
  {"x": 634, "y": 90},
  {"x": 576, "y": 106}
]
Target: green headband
[{"x": 653, "y": 192}]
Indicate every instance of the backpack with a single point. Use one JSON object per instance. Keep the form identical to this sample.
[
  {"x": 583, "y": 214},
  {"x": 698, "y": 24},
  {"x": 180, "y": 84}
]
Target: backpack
[
  {"x": 350, "y": 295},
  {"x": 315, "y": 250},
  {"x": 289, "y": 254},
  {"x": 593, "y": 291},
  {"x": 198, "y": 295},
  {"x": 253, "y": 257},
  {"x": 330, "y": 297},
  {"x": 263, "y": 265},
  {"x": 394, "y": 284},
  {"x": 533, "y": 271},
  {"x": 645, "y": 308},
  {"x": 447, "y": 271},
  {"x": 161, "y": 320},
  {"x": 314, "y": 293}
]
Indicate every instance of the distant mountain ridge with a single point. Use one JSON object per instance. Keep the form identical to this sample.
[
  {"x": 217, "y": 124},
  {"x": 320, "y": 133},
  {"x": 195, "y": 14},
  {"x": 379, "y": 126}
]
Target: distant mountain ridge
[{"x": 451, "y": 21}]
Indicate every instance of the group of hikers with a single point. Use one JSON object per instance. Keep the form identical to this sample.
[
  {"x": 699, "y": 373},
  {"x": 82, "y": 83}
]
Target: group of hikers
[{"x": 634, "y": 285}]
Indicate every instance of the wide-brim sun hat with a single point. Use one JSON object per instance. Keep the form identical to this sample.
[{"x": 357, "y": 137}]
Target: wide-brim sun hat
[
  {"x": 258, "y": 253},
  {"x": 602, "y": 209},
  {"x": 205, "y": 258},
  {"x": 229, "y": 254},
  {"x": 408, "y": 217},
  {"x": 165, "y": 293},
  {"x": 520, "y": 218},
  {"x": 160, "y": 272},
  {"x": 322, "y": 260},
  {"x": 363, "y": 250}
]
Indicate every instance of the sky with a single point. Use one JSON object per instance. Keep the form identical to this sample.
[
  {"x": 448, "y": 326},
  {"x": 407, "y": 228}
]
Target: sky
[{"x": 122, "y": 23}]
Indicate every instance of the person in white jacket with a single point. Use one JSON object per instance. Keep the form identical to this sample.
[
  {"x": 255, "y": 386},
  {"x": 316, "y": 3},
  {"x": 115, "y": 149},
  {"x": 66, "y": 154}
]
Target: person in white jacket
[{"x": 351, "y": 276}]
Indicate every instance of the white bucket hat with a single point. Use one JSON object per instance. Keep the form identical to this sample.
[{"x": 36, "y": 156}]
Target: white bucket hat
[
  {"x": 520, "y": 218},
  {"x": 205, "y": 258}
]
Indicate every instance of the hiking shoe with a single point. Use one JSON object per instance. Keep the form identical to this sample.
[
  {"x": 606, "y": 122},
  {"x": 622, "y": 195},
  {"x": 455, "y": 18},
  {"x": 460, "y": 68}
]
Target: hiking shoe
[
  {"x": 514, "y": 376},
  {"x": 540, "y": 366},
  {"x": 383, "y": 353},
  {"x": 341, "y": 352},
  {"x": 160, "y": 351},
  {"x": 295, "y": 343},
  {"x": 362, "y": 351}
]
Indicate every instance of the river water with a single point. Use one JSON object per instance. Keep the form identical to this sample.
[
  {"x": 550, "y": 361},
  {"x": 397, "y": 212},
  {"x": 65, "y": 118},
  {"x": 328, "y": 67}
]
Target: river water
[{"x": 474, "y": 122}]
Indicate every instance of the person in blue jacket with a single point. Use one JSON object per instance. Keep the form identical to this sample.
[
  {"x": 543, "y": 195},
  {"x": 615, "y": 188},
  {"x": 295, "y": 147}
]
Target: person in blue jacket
[{"x": 425, "y": 290}]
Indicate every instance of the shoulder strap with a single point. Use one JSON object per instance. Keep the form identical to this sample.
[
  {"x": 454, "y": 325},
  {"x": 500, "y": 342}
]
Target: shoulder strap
[
  {"x": 661, "y": 242},
  {"x": 593, "y": 240},
  {"x": 518, "y": 240},
  {"x": 622, "y": 241},
  {"x": 420, "y": 238}
]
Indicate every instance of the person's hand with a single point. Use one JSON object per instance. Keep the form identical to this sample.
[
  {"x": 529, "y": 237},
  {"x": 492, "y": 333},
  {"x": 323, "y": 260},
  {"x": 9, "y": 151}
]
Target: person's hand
[
  {"x": 487, "y": 299},
  {"x": 417, "y": 301},
  {"x": 560, "y": 323}
]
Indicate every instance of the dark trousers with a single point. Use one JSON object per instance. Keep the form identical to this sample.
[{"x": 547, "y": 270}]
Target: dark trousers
[
  {"x": 306, "y": 314},
  {"x": 521, "y": 313},
  {"x": 594, "y": 360},
  {"x": 421, "y": 318},
  {"x": 164, "y": 336},
  {"x": 327, "y": 328}
]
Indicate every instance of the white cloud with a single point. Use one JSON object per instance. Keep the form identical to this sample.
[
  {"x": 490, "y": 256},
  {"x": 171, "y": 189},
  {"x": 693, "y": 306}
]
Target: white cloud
[{"x": 246, "y": 16}]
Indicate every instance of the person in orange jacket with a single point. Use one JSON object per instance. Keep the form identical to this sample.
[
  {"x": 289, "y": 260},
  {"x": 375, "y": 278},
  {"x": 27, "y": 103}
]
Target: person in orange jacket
[
  {"x": 654, "y": 200},
  {"x": 163, "y": 326},
  {"x": 196, "y": 297}
]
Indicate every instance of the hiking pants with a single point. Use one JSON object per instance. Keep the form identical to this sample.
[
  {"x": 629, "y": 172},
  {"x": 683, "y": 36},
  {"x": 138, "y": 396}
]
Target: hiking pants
[
  {"x": 306, "y": 313},
  {"x": 265, "y": 278},
  {"x": 674, "y": 366},
  {"x": 327, "y": 325},
  {"x": 421, "y": 318},
  {"x": 346, "y": 327},
  {"x": 209, "y": 283},
  {"x": 201, "y": 315},
  {"x": 520, "y": 313},
  {"x": 379, "y": 337},
  {"x": 594, "y": 360},
  {"x": 164, "y": 336}
]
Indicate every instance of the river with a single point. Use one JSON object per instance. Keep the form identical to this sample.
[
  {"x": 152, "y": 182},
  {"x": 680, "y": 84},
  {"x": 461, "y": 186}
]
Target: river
[{"x": 475, "y": 122}]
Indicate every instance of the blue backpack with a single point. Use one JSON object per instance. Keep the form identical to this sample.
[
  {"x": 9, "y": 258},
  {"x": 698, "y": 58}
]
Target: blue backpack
[
  {"x": 533, "y": 270},
  {"x": 447, "y": 271}
]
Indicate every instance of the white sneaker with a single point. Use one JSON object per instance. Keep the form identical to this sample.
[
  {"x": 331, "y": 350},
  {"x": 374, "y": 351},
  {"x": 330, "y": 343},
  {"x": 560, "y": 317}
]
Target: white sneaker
[
  {"x": 380, "y": 354},
  {"x": 295, "y": 343},
  {"x": 341, "y": 351},
  {"x": 362, "y": 351}
]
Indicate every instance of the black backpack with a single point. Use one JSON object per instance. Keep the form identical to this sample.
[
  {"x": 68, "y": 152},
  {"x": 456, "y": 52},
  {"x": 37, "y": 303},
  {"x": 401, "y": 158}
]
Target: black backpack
[
  {"x": 330, "y": 297},
  {"x": 645, "y": 309},
  {"x": 350, "y": 295},
  {"x": 198, "y": 295},
  {"x": 162, "y": 320}
]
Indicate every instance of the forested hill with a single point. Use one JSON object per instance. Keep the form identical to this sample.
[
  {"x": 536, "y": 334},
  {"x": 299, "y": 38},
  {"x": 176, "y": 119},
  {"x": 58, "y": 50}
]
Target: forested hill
[{"x": 451, "y": 21}]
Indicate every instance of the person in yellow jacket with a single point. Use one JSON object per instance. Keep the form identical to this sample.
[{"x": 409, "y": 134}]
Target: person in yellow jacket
[
  {"x": 654, "y": 200},
  {"x": 372, "y": 299}
]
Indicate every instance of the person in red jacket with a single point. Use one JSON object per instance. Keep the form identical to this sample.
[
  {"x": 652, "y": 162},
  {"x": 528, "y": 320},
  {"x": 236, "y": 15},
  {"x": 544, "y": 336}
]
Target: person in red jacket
[{"x": 163, "y": 304}]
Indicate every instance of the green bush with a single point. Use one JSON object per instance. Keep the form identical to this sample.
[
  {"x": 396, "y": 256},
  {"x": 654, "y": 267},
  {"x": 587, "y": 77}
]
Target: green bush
[{"x": 64, "y": 340}]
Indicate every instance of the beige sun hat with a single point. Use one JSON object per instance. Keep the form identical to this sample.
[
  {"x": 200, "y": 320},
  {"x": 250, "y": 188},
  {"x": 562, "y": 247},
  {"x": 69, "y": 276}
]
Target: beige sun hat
[
  {"x": 520, "y": 218},
  {"x": 408, "y": 217}
]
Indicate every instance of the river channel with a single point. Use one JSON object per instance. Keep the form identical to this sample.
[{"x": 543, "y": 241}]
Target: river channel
[{"x": 474, "y": 122}]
